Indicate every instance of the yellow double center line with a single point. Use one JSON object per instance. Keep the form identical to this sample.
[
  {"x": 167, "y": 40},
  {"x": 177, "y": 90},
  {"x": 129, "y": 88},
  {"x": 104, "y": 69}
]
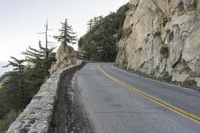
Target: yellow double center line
[{"x": 154, "y": 99}]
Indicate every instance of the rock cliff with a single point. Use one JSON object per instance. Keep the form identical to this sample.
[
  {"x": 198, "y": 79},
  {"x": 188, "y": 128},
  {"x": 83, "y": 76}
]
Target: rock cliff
[{"x": 162, "y": 38}]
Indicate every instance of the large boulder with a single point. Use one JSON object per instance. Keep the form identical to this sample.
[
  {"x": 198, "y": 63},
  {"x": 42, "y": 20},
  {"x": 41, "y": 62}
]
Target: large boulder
[{"x": 65, "y": 56}]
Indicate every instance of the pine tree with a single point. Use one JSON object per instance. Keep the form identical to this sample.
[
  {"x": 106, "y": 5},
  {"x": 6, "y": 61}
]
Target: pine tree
[
  {"x": 24, "y": 81},
  {"x": 67, "y": 35},
  {"x": 16, "y": 83},
  {"x": 90, "y": 24},
  {"x": 38, "y": 59},
  {"x": 100, "y": 43},
  {"x": 17, "y": 64}
]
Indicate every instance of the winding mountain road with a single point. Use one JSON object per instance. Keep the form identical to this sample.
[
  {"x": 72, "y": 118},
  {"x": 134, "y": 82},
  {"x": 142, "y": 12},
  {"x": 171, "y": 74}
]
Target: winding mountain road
[{"x": 117, "y": 101}]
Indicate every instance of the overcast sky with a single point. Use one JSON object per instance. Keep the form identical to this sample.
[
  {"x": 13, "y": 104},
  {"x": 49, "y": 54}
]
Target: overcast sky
[{"x": 21, "y": 20}]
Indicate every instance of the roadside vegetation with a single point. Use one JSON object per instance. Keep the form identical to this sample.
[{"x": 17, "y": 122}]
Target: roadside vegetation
[
  {"x": 100, "y": 42},
  {"x": 23, "y": 82},
  {"x": 1, "y": 86},
  {"x": 28, "y": 74}
]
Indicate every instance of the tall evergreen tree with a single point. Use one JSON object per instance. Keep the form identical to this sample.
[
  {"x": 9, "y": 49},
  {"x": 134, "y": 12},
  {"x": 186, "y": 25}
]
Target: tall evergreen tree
[
  {"x": 24, "y": 81},
  {"x": 38, "y": 59},
  {"x": 16, "y": 83},
  {"x": 67, "y": 35},
  {"x": 17, "y": 64},
  {"x": 90, "y": 24}
]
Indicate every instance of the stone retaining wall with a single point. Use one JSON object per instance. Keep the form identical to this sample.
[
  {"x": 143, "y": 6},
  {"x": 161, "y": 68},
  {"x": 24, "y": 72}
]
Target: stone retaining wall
[{"x": 36, "y": 117}]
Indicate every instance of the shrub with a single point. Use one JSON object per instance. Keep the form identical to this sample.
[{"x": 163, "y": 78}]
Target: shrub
[
  {"x": 127, "y": 32},
  {"x": 6, "y": 120},
  {"x": 164, "y": 51},
  {"x": 190, "y": 83}
]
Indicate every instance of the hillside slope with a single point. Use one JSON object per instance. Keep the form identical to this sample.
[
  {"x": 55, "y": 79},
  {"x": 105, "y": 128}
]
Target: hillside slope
[
  {"x": 163, "y": 40},
  {"x": 99, "y": 43}
]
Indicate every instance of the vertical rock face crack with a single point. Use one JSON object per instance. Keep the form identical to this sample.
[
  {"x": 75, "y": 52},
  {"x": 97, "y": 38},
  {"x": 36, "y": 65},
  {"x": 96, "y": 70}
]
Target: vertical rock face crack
[
  {"x": 185, "y": 36},
  {"x": 69, "y": 114}
]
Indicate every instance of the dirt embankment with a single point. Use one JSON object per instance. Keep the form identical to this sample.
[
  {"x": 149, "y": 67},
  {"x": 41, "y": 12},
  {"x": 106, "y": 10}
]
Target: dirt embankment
[{"x": 69, "y": 114}]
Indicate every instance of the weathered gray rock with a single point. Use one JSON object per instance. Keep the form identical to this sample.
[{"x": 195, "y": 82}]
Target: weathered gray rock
[
  {"x": 165, "y": 39},
  {"x": 65, "y": 56}
]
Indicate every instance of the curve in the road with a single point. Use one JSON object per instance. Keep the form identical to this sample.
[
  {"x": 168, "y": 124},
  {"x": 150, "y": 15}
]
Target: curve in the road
[{"x": 154, "y": 99}]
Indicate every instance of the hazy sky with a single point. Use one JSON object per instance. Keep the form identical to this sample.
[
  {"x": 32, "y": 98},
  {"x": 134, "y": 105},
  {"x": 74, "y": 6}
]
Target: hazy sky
[{"x": 21, "y": 20}]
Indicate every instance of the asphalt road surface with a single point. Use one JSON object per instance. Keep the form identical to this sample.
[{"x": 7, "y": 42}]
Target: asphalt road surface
[{"x": 117, "y": 101}]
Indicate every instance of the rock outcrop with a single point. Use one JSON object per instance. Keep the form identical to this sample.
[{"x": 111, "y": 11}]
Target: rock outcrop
[
  {"x": 65, "y": 56},
  {"x": 162, "y": 38}
]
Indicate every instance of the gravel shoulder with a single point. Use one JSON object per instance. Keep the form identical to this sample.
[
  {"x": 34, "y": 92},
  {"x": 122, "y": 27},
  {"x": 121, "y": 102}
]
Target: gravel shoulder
[{"x": 69, "y": 114}]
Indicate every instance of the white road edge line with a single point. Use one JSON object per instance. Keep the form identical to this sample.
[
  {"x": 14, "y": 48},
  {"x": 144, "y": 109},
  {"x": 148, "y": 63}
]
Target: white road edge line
[{"x": 154, "y": 80}]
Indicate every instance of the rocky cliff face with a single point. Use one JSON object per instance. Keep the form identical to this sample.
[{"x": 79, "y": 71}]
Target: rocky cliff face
[{"x": 162, "y": 38}]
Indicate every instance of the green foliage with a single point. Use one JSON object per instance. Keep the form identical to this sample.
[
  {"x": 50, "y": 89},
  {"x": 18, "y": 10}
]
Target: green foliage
[
  {"x": 16, "y": 64},
  {"x": 6, "y": 120},
  {"x": 100, "y": 42},
  {"x": 38, "y": 63},
  {"x": 126, "y": 33},
  {"x": 67, "y": 35},
  {"x": 164, "y": 51},
  {"x": 190, "y": 83},
  {"x": 3, "y": 107},
  {"x": 23, "y": 82},
  {"x": 1, "y": 86},
  {"x": 80, "y": 42}
]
